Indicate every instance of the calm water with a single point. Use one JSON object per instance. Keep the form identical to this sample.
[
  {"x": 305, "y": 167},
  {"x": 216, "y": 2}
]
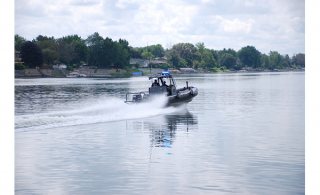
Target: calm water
[{"x": 243, "y": 134}]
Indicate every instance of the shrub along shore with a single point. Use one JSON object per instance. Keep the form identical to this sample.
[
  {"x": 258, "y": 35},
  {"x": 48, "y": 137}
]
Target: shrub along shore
[
  {"x": 116, "y": 73},
  {"x": 63, "y": 73}
]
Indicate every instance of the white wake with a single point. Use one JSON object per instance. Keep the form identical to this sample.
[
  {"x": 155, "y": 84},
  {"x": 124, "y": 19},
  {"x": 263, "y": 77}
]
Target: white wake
[{"x": 104, "y": 110}]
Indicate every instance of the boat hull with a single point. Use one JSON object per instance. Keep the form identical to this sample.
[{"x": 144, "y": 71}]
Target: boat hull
[{"x": 183, "y": 97}]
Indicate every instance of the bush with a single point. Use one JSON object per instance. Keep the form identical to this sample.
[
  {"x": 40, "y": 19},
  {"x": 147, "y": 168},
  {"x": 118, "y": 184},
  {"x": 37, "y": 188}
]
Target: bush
[
  {"x": 75, "y": 65},
  {"x": 223, "y": 68},
  {"x": 153, "y": 65},
  {"x": 19, "y": 66},
  {"x": 237, "y": 67},
  {"x": 165, "y": 66},
  {"x": 215, "y": 69},
  {"x": 127, "y": 69},
  {"x": 137, "y": 65},
  {"x": 69, "y": 68},
  {"x": 31, "y": 54}
]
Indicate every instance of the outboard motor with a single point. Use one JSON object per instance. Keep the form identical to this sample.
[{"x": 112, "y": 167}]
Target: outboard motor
[{"x": 194, "y": 91}]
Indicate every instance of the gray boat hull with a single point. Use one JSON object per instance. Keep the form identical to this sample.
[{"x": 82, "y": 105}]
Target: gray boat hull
[{"x": 183, "y": 96}]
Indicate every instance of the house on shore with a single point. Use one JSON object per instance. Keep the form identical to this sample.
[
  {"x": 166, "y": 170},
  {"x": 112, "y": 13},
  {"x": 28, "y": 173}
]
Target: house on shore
[
  {"x": 59, "y": 67},
  {"x": 142, "y": 62},
  {"x": 159, "y": 60},
  {"x": 17, "y": 56},
  {"x": 187, "y": 70}
]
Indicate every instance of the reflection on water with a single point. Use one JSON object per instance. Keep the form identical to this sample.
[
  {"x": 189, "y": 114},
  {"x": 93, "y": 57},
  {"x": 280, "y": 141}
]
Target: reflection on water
[{"x": 162, "y": 129}]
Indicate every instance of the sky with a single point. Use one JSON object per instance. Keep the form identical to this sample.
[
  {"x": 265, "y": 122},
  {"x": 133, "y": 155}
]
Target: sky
[{"x": 268, "y": 25}]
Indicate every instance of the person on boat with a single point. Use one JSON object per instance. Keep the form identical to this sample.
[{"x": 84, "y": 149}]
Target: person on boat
[
  {"x": 168, "y": 87},
  {"x": 155, "y": 84},
  {"x": 164, "y": 84}
]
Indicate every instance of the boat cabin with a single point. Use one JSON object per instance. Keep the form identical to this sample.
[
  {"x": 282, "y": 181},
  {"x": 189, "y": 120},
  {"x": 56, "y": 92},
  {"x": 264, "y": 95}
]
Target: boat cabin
[{"x": 170, "y": 89}]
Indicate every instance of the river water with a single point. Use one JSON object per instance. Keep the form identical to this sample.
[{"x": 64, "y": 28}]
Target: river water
[{"x": 243, "y": 134}]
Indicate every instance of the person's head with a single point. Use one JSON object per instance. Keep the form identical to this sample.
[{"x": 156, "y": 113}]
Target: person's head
[
  {"x": 155, "y": 81},
  {"x": 164, "y": 82}
]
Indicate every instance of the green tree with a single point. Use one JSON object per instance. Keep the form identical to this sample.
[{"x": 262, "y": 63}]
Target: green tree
[
  {"x": 31, "y": 54},
  {"x": 135, "y": 54},
  {"x": 250, "y": 56},
  {"x": 80, "y": 48},
  {"x": 230, "y": 51},
  {"x": 265, "y": 60},
  {"x": 82, "y": 51},
  {"x": 202, "y": 64},
  {"x": 100, "y": 50},
  {"x": 139, "y": 49},
  {"x": 298, "y": 59},
  {"x": 155, "y": 50},
  {"x": 215, "y": 54},
  {"x": 275, "y": 59},
  {"x": 197, "y": 57},
  {"x": 182, "y": 63},
  {"x": 102, "y": 53},
  {"x": 209, "y": 60},
  {"x": 174, "y": 59},
  {"x": 18, "y": 42},
  {"x": 67, "y": 51},
  {"x": 105, "y": 53},
  {"x": 123, "y": 56},
  {"x": 147, "y": 55},
  {"x": 40, "y": 38},
  {"x": 228, "y": 60},
  {"x": 200, "y": 47},
  {"x": 71, "y": 38},
  {"x": 137, "y": 65},
  {"x": 50, "y": 56},
  {"x": 286, "y": 61},
  {"x": 125, "y": 44},
  {"x": 50, "y": 50},
  {"x": 184, "y": 51},
  {"x": 94, "y": 39},
  {"x": 19, "y": 66}
]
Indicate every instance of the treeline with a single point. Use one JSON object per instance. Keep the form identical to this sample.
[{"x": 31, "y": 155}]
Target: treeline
[
  {"x": 74, "y": 51},
  {"x": 106, "y": 53},
  {"x": 197, "y": 56}
]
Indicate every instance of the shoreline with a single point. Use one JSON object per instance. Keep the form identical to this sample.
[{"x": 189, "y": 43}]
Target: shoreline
[{"x": 105, "y": 73}]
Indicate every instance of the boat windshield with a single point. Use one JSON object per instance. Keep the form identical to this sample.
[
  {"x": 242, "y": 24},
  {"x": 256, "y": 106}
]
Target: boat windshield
[
  {"x": 167, "y": 80},
  {"x": 173, "y": 82}
]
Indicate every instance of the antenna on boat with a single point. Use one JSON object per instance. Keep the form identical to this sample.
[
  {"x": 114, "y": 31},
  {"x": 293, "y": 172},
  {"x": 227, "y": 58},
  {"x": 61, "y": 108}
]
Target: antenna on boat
[{"x": 149, "y": 58}]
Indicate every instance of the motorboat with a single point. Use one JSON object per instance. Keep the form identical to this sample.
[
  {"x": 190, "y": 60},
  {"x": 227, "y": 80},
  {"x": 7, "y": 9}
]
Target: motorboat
[
  {"x": 174, "y": 96},
  {"x": 73, "y": 75}
]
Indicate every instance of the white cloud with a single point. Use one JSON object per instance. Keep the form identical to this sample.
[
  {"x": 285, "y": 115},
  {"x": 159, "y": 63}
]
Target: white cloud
[
  {"x": 234, "y": 23},
  {"x": 249, "y": 3},
  {"x": 122, "y": 4}
]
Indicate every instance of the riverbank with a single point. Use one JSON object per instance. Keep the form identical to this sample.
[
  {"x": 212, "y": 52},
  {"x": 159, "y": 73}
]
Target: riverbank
[
  {"x": 95, "y": 73},
  {"x": 113, "y": 73}
]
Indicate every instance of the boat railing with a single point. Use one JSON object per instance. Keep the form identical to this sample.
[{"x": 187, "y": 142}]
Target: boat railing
[{"x": 136, "y": 97}]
